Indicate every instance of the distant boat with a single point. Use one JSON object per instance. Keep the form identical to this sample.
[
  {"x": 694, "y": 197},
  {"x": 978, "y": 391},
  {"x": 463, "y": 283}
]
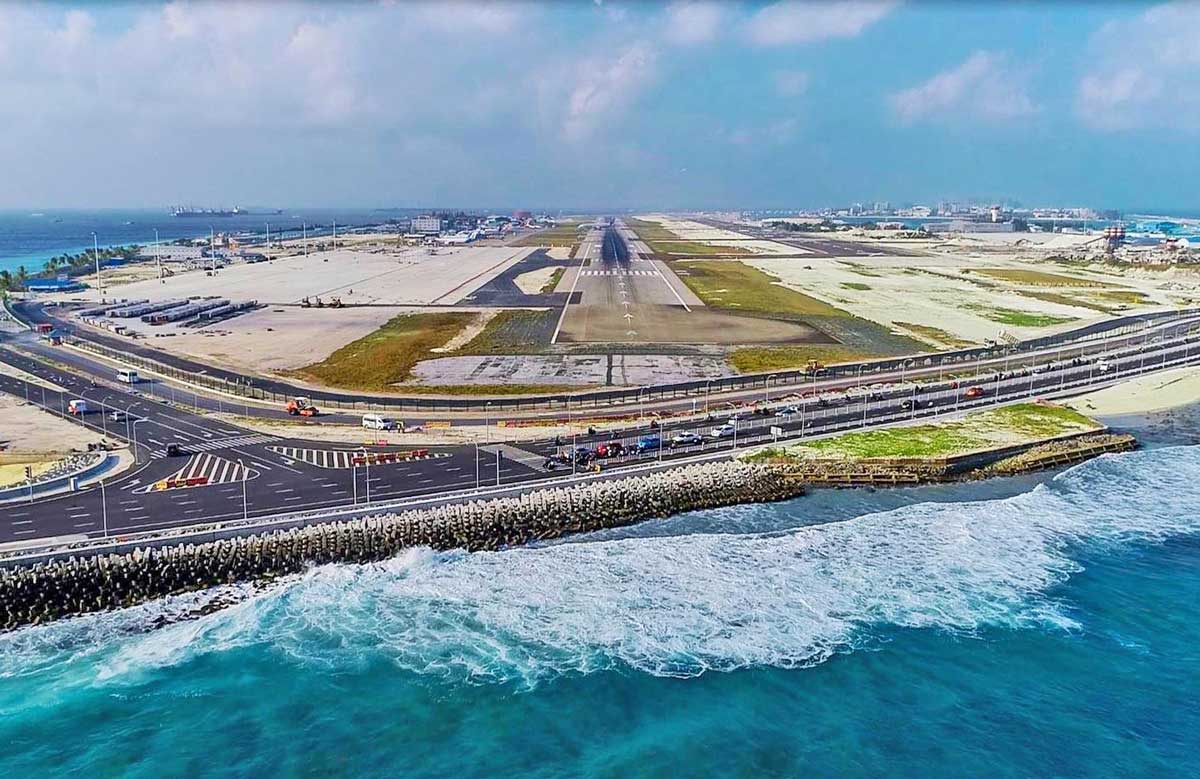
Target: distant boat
[
  {"x": 183, "y": 211},
  {"x": 38, "y": 214}
]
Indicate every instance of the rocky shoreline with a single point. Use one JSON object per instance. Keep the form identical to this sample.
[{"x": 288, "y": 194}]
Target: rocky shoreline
[{"x": 43, "y": 592}]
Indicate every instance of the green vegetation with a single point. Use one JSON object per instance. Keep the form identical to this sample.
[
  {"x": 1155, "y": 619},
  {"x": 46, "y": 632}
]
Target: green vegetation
[
  {"x": 386, "y": 357},
  {"x": 737, "y": 286},
  {"x": 651, "y": 231},
  {"x": 1129, "y": 297},
  {"x": 1065, "y": 300},
  {"x": 1037, "y": 278},
  {"x": 566, "y": 235},
  {"x": 696, "y": 249},
  {"x": 937, "y": 335},
  {"x": 1022, "y": 423},
  {"x": 553, "y": 282},
  {"x": 856, "y": 285},
  {"x": 762, "y": 359},
  {"x": 1015, "y": 318},
  {"x": 513, "y": 332}
]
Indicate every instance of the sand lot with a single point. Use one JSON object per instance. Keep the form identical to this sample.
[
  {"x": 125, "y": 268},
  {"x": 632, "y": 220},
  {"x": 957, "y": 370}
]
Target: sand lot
[
  {"x": 395, "y": 277},
  {"x": 26, "y": 428},
  {"x": 276, "y": 339},
  {"x": 701, "y": 233},
  {"x": 1142, "y": 395}
]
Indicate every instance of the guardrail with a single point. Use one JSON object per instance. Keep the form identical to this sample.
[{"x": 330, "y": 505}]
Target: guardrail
[
  {"x": 23, "y": 492},
  {"x": 124, "y": 543},
  {"x": 277, "y": 392}
]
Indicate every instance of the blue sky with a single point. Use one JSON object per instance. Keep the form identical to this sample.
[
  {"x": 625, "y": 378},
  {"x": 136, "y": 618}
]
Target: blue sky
[{"x": 598, "y": 104}]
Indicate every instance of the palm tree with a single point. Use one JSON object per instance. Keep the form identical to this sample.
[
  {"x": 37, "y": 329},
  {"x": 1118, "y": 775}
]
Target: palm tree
[
  {"x": 22, "y": 274},
  {"x": 5, "y": 279}
]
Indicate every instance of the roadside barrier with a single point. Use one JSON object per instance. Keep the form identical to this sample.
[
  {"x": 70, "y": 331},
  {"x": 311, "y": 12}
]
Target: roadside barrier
[{"x": 59, "y": 588}]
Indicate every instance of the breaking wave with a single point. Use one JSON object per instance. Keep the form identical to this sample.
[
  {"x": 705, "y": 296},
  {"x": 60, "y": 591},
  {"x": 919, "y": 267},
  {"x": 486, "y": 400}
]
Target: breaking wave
[{"x": 670, "y": 606}]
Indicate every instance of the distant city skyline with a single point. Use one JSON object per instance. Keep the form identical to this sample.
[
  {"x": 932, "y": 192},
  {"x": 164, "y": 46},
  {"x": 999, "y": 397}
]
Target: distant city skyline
[{"x": 673, "y": 106}]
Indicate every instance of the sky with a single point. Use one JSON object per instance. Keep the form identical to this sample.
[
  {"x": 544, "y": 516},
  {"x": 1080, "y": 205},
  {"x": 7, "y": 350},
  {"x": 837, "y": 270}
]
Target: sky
[{"x": 679, "y": 105}]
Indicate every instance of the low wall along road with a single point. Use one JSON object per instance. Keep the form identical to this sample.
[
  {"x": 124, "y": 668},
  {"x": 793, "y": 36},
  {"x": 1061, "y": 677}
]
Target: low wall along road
[{"x": 48, "y": 591}]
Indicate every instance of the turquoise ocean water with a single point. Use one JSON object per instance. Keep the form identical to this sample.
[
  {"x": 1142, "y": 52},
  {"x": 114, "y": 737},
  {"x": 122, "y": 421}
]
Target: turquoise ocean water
[{"x": 1031, "y": 628}]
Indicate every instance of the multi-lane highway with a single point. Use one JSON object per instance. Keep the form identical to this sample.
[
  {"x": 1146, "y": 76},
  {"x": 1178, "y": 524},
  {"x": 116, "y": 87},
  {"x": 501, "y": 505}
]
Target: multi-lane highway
[{"x": 249, "y": 474}]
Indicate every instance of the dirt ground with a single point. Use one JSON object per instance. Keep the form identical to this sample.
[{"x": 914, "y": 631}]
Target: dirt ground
[
  {"x": 24, "y": 428},
  {"x": 393, "y": 276}
]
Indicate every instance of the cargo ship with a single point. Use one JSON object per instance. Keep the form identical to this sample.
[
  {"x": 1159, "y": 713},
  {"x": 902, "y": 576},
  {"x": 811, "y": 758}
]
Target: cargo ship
[{"x": 184, "y": 211}]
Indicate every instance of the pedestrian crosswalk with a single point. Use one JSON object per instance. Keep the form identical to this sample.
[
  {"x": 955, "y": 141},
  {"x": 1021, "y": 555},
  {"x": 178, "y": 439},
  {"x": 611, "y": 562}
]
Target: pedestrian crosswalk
[
  {"x": 202, "y": 470},
  {"x": 620, "y": 273},
  {"x": 214, "y": 444},
  {"x": 344, "y": 458}
]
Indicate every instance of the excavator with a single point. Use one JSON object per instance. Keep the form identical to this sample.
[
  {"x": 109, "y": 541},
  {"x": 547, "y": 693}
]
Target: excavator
[{"x": 302, "y": 407}]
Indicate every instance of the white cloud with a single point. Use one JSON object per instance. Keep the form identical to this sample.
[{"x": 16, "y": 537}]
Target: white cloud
[
  {"x": 1145, "y": 72},
  {"x": 791, "y": 83},
  {"x": 693, "y": 21},
  {"x": 602, "y": 90},
  {"x": 796, "y": 21},
  {"x": 984, "y": 87}
]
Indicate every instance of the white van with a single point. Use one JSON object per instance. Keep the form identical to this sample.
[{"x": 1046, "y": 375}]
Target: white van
[
  {"x": 376, "y": 422},
  {"x": 128, "y": 376}
]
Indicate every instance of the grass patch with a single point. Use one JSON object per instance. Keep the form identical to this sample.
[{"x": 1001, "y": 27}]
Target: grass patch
[
  {"x": 1015, "y": 318},
  {"x": 1036, "y": 278},
  {"x": 1129, "y": 297},
  {"x": 513, "y": 332},
  {"x": 566, "y": 235},
  {"x": 386, "y": 357},
  {"x": 697, "y": 249},
  {"x": 737, "y": 286},
  {"x": 651, "y": 231},
  {"x": 553, "y": 282},
  {"x": 1023, "y": 423},
  {"x": 762, "y": 359},
  {"x": 1064, "y": 300},
  {"x": 936, "y": 335},
  {"x": 856, "y": 285}
]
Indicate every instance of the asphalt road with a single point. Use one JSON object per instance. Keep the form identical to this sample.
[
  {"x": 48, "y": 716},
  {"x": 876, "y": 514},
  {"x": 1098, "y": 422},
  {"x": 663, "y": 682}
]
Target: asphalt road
[{"x": 258, "y": 475}]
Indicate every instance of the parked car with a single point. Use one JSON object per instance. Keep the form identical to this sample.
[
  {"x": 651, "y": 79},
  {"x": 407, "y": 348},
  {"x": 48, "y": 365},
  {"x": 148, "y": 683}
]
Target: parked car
[
  {"x": 584, "y": 455},
  {"x": 686, "y": 439},
  {"x": 555, "y": 462}
]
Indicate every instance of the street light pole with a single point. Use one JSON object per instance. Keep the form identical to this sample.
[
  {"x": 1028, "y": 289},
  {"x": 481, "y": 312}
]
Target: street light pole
[
  {"x": 245, "y": 503},
  {"x": 96, "y": 256}
]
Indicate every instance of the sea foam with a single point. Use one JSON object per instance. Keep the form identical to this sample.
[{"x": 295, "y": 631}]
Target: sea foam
[{"x": 677, "y": 605}]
